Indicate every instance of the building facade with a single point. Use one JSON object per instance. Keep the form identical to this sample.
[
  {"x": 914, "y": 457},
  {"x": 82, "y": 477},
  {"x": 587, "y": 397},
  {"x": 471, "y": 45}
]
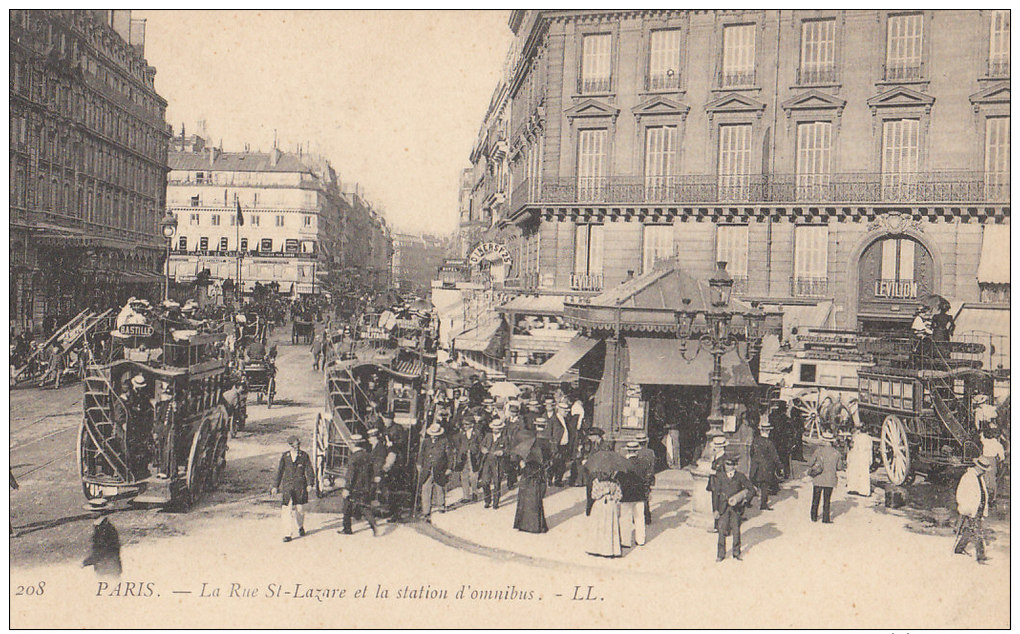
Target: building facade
[
  {"x": 292, "y": 212},
  {"x": 417, "y": 259},
  {"x": 846, "y": 164},
  {"x": 367, "y": 242},
  {"x": 88, "y": 163}
]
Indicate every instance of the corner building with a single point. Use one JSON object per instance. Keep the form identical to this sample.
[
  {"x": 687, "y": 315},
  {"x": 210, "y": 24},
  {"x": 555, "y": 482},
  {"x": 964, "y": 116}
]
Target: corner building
[
  {"x": 88, "y": 163},
  {"x": 845, "y": 164}
]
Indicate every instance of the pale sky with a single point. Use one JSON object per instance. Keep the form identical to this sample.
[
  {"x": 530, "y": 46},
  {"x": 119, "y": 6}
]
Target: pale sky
[{"x": 393, "y": 99}]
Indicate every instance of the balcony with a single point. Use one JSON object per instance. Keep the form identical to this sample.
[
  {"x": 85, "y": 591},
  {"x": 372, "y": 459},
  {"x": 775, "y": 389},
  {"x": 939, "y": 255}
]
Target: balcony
[
  {"x": 663, "y": 82},
  {"x": 586, "y": 281},
  {"x": 856, "y": 187},
  {"x": 998, "y": 67},
  {"x": 735, "y": 78},
  {"x": 904, "y": 71},
  {"x": 809, "y": 286},
  {"x": 594, "y": 85},
  {"x": 816, "y": 75}
]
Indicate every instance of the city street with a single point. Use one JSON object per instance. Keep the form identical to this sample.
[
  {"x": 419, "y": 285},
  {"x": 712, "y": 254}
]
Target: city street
[{"x": 868, "y": 566}]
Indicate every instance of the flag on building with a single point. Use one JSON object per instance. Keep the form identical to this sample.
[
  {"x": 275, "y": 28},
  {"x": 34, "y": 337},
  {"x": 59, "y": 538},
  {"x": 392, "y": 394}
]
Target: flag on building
[{"x": 240, "y": 216}]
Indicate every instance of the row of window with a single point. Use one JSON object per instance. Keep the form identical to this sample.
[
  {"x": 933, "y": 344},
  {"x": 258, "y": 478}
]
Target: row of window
[
  {"x": 93, "y": 201},
  {"x": 904, "y": 53},
  {"x": 265, "y": 245},
  {"x": 254, "y": 220},
  {"x": 249, "y": 271},
  {"x": 901, "y": 145},
  {"x": 89, "y": 109},
  {"x": 810, "y": 256}
]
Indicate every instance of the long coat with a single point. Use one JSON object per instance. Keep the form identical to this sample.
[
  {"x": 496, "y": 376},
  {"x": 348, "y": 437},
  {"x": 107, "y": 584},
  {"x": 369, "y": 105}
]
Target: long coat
[
  {"x": 435, "y": 457},
  {"x": 530, "y": 514},
  {"x": 360, "y": 481},
  {"x": 294, "y": 475},
  {"x": 469, "y": 450},
  {"x": 724, "y": 487},
  {"x": 495, "y": 452},
  {"x": 829, "y": 459},
  {"x": 764, "y": 460}
]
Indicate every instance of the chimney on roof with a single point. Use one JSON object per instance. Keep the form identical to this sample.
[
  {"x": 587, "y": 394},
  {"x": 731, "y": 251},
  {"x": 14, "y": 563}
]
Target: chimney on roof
[
  {"x": 213, "y": 153},
  {"x": 137, "y": 40},
  {"x": 274, "y": 156}
]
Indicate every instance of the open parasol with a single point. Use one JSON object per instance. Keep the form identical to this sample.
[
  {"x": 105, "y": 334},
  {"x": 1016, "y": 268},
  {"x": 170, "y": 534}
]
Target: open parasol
[
  {"x": 526, "y": 440},
  {"x": 936, "y": 303},
  {"x": 608, "y": 462},
  {"x": 504, "y": 389}
]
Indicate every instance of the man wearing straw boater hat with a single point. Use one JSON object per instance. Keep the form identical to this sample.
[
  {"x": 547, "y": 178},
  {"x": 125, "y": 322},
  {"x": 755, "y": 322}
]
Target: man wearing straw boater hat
[
  {"x": 731, "y": 492},
  {"x": 495, "y": 450},
  {"x": 972, "y": 502},
  {"x": 435, "y": 464}
]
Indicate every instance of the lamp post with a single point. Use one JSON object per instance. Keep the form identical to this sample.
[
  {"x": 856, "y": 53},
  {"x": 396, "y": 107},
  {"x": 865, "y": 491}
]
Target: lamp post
[
  {"x": 168, "y": 226},
  {"x": 720, "y": 287}
]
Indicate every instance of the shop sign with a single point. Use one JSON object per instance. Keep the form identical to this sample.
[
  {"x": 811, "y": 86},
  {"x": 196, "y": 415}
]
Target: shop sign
[
  {"x": 486, "y": 249},
  {"x": 896, "y": 289}
]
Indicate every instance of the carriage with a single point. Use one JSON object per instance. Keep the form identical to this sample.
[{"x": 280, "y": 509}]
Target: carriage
[
  {"x": 302, "y": 332},
  {"x": 917, "y": 400},
  {"x": 154, "y": 427},
  {"x": 260, "y": 379}
]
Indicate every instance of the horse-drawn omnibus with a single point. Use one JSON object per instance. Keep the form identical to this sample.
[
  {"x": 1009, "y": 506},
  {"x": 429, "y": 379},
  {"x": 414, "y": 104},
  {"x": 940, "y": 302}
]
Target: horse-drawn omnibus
[{"x": 155, "y": 425}]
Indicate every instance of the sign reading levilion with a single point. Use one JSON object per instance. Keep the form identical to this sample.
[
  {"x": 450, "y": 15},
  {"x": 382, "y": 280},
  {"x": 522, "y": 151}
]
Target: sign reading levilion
[{"x": 896, "y": 289}]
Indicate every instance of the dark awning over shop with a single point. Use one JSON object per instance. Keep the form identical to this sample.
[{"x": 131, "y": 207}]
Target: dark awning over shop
[
  {"x": 655, "y": 361},
  {"x": 568, "y": 356}
]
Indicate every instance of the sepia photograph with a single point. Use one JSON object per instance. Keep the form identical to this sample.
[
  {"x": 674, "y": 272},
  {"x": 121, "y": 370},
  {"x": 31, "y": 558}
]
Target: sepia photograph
[{"x": 488, "y": 319}]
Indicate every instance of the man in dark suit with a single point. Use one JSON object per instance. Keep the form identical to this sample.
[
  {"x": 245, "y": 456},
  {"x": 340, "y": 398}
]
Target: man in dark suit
[
  {"x": 435, "y": 463},
  {"x": 764, "y": 463},
  {"x": 495, "y": 454},
  {"x": 468, "y": 442},
  {"x": 360, "y": 487},
  {"x": 293, "y": 477},
  {"x": 646, "y": 459},
  {"x": 383, "y": 471},
  {"x": 562, "y": 434},
  {"x": 725, "y": 489}
]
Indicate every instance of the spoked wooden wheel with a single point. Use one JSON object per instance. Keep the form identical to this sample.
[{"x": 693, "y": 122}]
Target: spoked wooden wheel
[
  {"x": 200, "y": 462},
  {"x": 91, "y": 491},
  {"x": 219, "y": 454},
  {"x": 319, "y": 442},
  {"x": 896, "y": 451}
]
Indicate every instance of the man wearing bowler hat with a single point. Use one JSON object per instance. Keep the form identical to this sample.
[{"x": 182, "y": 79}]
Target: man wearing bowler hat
[{"x": 293, "y": 477}]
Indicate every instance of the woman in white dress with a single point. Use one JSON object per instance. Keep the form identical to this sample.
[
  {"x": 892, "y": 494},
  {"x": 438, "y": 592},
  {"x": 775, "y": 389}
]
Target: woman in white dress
[
  {"x": 858, "y": 464},
  {"x": 604, "y": 521}
]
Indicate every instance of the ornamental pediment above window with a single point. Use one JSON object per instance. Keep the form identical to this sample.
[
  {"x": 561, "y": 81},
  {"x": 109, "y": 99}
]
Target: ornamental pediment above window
[
  {"x": 995, "y": 96},
  {"x": 734, "y": 103},
  {"x": 903, "y": 98},
  {"x": 661, "y": 106},
  {"x": 813, "y": 100},
  {"x": 592, "y": 108}
]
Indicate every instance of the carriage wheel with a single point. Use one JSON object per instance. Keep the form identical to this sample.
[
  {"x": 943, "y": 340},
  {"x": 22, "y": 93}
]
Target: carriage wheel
[
  {"x": 318, "y": 454},
  {"x": 811, "y": 416},
  {"x": 219, "y": 460},
  {"x": 896, "y": 451},
  {"x": 200, "y": 462},
  {"x": 91, "y": 491},
  {"x": 271, "y": 392}
]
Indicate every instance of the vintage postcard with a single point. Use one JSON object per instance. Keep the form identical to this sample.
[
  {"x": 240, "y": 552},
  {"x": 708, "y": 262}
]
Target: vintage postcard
[{"x": 577, "y": 318}]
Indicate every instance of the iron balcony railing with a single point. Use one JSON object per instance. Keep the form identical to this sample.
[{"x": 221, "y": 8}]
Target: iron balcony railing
[
  {"x": 586, "y": 281},
  {"x": 594, "y": 85},
  {"x": 904, "y": 71},
  {"x": 801, "y": 286},
  {"x": 663, "y": 81},
  {"x": 735, "y": 78},
  {"x": 816, "y": 75},
  {"x": 909, "y": 188},
  {"x": 998, "y": 67}
]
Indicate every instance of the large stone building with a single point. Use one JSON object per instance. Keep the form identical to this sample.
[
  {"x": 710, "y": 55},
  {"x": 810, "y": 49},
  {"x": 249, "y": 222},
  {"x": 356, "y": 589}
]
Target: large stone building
[
  {"x": 292, "y": 218},
  {"x": 417, "y": 259},
  {"x": 845, "y": 164},
  {"x": 88, "y": 162},
  {"x": 367, "y": 242}
]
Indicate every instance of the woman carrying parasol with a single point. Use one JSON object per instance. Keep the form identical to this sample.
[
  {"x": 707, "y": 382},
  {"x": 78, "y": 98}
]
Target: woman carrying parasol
[{"x": 605, "y": 467}]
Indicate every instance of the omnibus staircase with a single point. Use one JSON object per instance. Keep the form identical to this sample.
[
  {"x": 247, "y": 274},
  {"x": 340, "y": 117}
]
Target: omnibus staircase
[
  {"x": 943, "y": 396},
  {"x": 69, "y": 336},
  {"x": 105, "y": 425},
  {"x": 342, "y": 389}
]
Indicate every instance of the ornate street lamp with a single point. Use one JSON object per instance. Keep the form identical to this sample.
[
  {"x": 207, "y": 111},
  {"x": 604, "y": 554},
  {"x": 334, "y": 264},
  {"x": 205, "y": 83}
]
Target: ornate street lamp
[
  {"x": 718, "y": 340},
  {"x": 168, "y": 226}
]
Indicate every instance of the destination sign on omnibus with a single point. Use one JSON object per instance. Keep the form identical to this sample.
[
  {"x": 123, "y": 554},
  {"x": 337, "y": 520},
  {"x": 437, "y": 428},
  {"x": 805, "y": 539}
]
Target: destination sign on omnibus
[{"x": 136, "y": 330}]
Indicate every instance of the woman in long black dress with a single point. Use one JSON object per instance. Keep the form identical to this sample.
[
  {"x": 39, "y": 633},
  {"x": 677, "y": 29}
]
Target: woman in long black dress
[{"x": 530, "y": 516}]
